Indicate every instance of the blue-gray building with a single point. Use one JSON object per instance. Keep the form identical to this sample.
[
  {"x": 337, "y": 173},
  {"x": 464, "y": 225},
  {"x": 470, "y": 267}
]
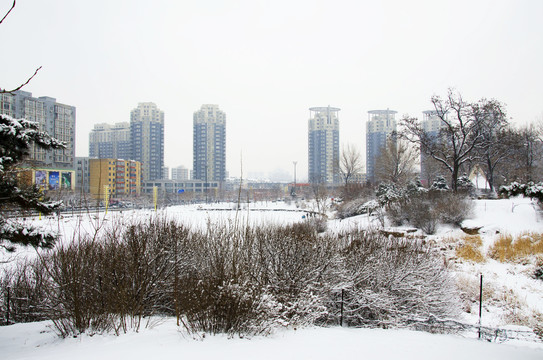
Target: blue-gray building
[
  {"x": 380, "y": 124},
  {"x": 147, "y": 139},
  {"x": 110, "y": 141},
  {"x": 323, "y": 145}
]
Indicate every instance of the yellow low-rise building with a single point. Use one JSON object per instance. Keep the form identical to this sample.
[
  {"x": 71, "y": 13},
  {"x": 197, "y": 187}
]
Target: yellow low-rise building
[{"x": 114, "y": 177}]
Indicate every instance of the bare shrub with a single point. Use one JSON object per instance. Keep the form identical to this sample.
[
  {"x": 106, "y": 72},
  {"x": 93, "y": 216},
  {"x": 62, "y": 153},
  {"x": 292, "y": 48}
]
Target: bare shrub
[
  {"x": 426, "y": 210},
  {"x": 111, "y": 283},
  {"x": 453, "y": 208},
  {"x": 26, "y": 286},
  {"x": 233, "y": 279},
  {"x": 420, "y": 212},
  {"x": 247, "y": 281},
  {"x": 388, "y": 281}
]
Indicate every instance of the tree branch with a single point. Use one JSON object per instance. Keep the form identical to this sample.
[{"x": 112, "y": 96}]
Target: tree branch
[
  {"x": 5, "y": 16},
  {"x": 20, "y": 86}
]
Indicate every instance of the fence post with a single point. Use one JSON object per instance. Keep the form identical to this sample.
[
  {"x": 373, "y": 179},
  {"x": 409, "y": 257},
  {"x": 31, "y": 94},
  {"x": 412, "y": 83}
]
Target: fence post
[
  {"x": 480, "y": 304},
  {"x": 341, "y": 316},
  {"x": 7, "y": 307}
]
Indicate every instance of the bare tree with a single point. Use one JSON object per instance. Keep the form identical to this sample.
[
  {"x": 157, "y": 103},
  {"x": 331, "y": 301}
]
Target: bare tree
[
  {"x": 396, "y": 162},
  {"x": 523, "y": 162},
  {"x": 454, "y": 145},
  {"x": 350, "y": 163},
  {"x": 4, "y": 91},
  {"x": 496, "y": 144}
]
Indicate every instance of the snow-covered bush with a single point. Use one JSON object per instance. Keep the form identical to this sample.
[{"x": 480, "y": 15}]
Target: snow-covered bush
[
  {"x": 531, "y": 190},
  {"x": 439, "y": 184},
  {"x": 388, "y": 281},
  {"x": 465, "y": 186},
  {"x": 229, "y": 279},
  {"x": 423, "y": 208},
  {"x": 356, "y": 207}
]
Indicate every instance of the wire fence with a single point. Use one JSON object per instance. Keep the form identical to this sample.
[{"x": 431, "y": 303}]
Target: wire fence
[{"x": 487, "y": 333}]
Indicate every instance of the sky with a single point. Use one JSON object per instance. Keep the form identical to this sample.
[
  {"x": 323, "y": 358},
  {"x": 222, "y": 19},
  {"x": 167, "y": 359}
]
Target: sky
[{"x": 265, "y": 63}]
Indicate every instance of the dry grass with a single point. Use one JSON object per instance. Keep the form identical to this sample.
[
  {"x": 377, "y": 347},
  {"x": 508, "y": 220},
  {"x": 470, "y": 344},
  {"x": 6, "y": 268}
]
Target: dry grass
[
  {"x": 509, "y": 249},
  {"x": 470, "y": 249}
]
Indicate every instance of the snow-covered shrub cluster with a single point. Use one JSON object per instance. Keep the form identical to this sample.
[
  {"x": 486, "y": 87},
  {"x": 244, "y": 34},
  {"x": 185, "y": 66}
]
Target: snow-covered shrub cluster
[
  {"x": 387, "y": 281},
  {"x": 531, "y": 190},
  {"x": 356, "y": 207},
  {"x": 227, "y": 279},
  {"x": 424, "y": 208}
]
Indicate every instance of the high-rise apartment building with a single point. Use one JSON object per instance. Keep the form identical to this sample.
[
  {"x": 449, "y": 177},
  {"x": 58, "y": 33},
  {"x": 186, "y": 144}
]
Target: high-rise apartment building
[
  {"x": 380, "y": 124},
  {"x": 209, "y": 144},
  {"x": 58, "y": 120},
  {"x": 110, "y": 141},
  {"x": 147, "y": 138},
  {"x": 323, "y": 141}
]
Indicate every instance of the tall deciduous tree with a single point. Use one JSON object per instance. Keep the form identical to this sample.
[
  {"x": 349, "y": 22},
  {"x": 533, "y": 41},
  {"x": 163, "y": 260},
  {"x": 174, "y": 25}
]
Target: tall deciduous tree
[
  {"x": 454, "y": 144},
  {"x": 350, "y": 163},
  {"x": 396, "y": 163},
  {"x": 496, "y": 143}
]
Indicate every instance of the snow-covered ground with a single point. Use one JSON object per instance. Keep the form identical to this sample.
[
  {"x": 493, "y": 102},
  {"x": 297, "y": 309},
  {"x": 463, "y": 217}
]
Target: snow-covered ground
[
  {"x": 504, "y": 283},
  {"x": 165, "y": 341}
]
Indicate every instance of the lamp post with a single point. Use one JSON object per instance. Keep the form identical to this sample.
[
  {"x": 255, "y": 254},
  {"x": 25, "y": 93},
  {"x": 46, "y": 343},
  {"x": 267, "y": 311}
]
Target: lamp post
[{"x": 294, "y": 189}]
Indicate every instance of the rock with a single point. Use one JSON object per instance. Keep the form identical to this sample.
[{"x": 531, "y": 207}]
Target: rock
[{"x": 471, "y": 230}]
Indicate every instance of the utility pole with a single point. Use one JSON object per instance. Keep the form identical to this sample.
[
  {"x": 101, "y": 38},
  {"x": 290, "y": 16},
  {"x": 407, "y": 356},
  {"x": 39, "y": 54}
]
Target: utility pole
[{"x": 294, "y": 190}]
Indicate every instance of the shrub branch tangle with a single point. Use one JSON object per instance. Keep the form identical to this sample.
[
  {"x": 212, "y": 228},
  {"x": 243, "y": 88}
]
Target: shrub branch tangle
[{"x": 227, "y": 279}]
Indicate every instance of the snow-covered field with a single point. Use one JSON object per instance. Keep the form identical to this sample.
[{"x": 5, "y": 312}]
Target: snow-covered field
[{"x": 164, "y": 339}]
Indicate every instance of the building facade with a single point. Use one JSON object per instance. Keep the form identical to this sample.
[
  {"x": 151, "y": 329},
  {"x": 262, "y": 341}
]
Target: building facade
[
  {"x": 209, "y": 144},
  {"x": 147, "y": 139},
  {"x": 180, "y": 173},
  {"x": 323, "y": 145},
  {"x": 181, "y": 187},
  {"x": 380, "y": 124},
  {"x": 110, "y": 141},
  {"x": 114, "y": 177},
  {"x": 58, "y": 120},
  {"x": 82, "y": 174}
]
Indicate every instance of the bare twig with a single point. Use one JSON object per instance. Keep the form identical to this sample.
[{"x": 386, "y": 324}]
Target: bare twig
[
  {"x": 5, "y": 16},
  {"x": 2, "y": 91}
]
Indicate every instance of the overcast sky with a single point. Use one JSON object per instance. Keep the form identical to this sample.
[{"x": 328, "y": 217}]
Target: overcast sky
[{"x": 266, "y": 62}]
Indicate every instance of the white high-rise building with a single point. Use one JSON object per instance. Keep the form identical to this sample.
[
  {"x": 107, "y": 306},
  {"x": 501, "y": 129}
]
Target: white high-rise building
[
  {"x": 323, "y": 144},
  {"x": 209, "y": 144}
]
